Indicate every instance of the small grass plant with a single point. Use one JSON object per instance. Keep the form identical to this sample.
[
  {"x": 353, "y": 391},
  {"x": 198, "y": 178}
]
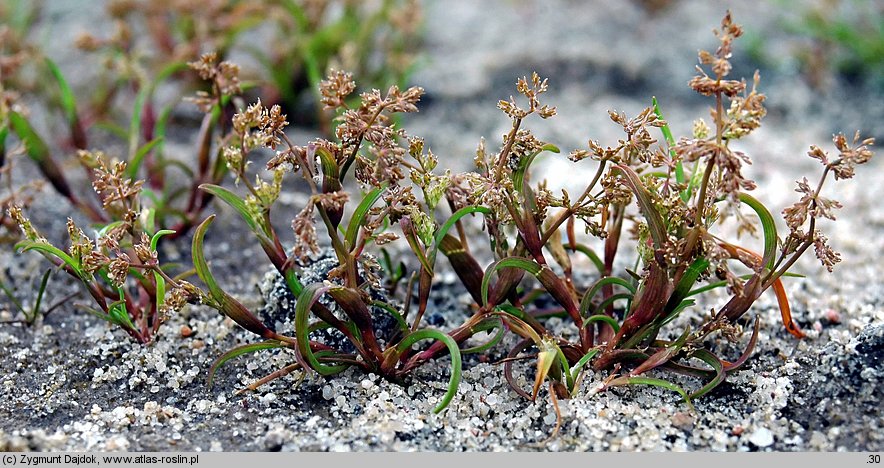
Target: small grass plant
[{"x": 372, "y": 188}]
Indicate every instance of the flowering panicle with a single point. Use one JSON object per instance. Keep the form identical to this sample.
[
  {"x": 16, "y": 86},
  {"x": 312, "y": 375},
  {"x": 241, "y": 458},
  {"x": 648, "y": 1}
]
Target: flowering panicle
[{"x": 223, "y": 75}]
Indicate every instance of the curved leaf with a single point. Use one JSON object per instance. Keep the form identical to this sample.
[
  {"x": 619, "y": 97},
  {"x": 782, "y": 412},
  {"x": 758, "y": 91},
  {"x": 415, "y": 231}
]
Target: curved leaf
[
  {"x": 768, "y": 226},
  {"x": 670, "y": 143},
  {"x": 235, "y": 202},
  {"x": 138, "y": 158},
  {"x": 239, "y": 351},
  {"x": 68, "y": 102},
  {"x": 521, "y": 263},
  {"x": 39, "y": 152},
  {"x": 683, "y": 288},
  {"x": 306, "y": 299},
  {"x": 578, "y": 367},
  {"x": 655, "y": 222},
  {"x": 455, "y": 217},
  {"x": 603, "y": 318},
  {"x": 358, "y": 217},
  {"x": 590, "y": 254},
  {"x": 586, "y": 300},
  {"x": 223, "y": 301},
  {"x": 496, "y": 325},
  {"x": 622, "y": 381},
  {"x": 454, "y": 380},
  {"x": 47, "y": 249},
  {"x": 716, "y": 364}
]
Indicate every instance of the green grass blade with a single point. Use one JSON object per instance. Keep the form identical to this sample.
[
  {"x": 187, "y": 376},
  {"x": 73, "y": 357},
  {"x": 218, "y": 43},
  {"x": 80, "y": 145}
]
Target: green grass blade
[
  {"x": 603, "y": 318},
  {"x": 586, "y": 301},
  {"x": 521, "y": 263},
  {"x": 525, "y": 164},
  {"x": 400, "y": 321},
  {"x": 309, "y": 295},
  {"x": 239, "y": 351},
  {"x": 442, "y": 231},
  {"x": 721, "y": 284},
  {"x": 134, "y": 134},
  {"x": 590, "y": 254},
  {"x": 360, "y": 213},
  {"x": 43, "y": 282},
  {"x": 155, "y": 239},
  {"x": 622, "y": 381},
  {"x": 236, "y": 203},
  {"x": 716, "y": 364},
  {"x": 497, "y": 326},
  {"x": 578, "y": 367},
  {"x": 683, "y": 288},
  {"x": 12, "y": 298},
  {"x": 135, "y": 163},
  {"x": 68, "y": 101},
  {"x": 39, "y": 152},
  {"x": 768, "y": 226},
  {"x": 454, "y": 380},
  {"x": 655, "y": 222},
  {"x": 670, "y": 142},
  {"x": 46, "y": 249},
  {"x": 610, "y": 301},
  {"x": 223, "y": 301}
]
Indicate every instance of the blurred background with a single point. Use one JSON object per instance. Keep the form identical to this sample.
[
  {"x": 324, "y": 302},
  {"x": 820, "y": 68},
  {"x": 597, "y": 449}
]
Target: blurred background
[{"x": 821, "y": 62}]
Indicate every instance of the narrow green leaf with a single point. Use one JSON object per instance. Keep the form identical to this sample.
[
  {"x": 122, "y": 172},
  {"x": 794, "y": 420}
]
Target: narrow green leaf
[
  {"x": 721, "y": 284},
  {"x": 610, "y": 301},
  {"x": 309, "y": 295},
  {"x": 68, "y": 102},
  {"x": 455, "y": 217},
  {"x": 4, "y": 132},
  {"x": 135, "y": 164},
  {"x": 590, "y": 254},
  {"x": 120, "y": 313},
  {"x": 453, "y": 350},
  {"x": 239, "y": 351},
  {"x": 486, "y": 325},
  {"x": 621, "y": 381},
  {"x": 236, "y": 203},
  {"x": 768, "y": 226},
  {"x": 578, "y": 367},
  {"x": 134, "y": 133},
  {"x": 39, "y": 152},
  {"x": 360, "y": 213},
  {"x": 586, "y": 301},
  {"x": 223, "y": 301},
  {"x": 521, "y": 263},
  {"x": 655, "y": 222},
  {"x": 46, "y": 249},
  {"x": 520, "y": 172},
  {"x": 400, "y": 321},
  {"x": 602, "y": 318},
  {"x": 683, "y": 288},
  {"x": 11, "y": 296},
  {"x": 716, "y": 364},
  {"x": 156, "y": 237},
  {"x": 670, "y": 143}
]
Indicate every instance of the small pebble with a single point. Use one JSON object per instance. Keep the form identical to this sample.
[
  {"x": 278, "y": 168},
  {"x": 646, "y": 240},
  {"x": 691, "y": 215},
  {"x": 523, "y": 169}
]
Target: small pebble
[{"x": 762, "y": 437}]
